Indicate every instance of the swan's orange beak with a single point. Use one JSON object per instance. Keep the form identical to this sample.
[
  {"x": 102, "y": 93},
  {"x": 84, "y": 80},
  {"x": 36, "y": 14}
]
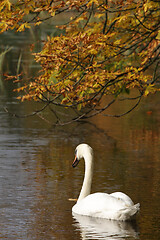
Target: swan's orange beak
[{"x": 75, "y": 162}]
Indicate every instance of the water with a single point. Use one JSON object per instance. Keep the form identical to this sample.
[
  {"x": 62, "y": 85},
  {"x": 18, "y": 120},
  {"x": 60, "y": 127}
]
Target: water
[{"x": 36, "y": 177}]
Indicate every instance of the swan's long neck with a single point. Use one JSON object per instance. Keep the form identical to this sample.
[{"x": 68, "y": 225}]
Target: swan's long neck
[{"x": 86, "y": 187}]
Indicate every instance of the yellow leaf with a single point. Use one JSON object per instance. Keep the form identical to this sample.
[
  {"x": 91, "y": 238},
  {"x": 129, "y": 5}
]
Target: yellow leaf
[
  {"x": 92, "y": 1},
  {"x": 23, "y": 26},
  {"x": 8, "y": 4},
  {"x": 158, "y": 35},
  {"x": 149, "y": 89},
  {"x": 99, "y": 15},
  {"x": 79, "y": 106},
  {"x": 38, "y": 23},
  {"x": 53, "y": 14}
]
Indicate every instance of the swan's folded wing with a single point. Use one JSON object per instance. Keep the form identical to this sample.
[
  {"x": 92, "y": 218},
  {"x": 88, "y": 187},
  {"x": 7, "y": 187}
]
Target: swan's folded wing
[
  {"x": 128, "y": 213},
  {"x": 103, "y": 205}
]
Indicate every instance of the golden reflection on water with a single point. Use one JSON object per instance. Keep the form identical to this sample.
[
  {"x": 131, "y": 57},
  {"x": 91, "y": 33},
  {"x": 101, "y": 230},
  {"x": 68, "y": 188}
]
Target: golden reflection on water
[{"x": 126, "y": 159}]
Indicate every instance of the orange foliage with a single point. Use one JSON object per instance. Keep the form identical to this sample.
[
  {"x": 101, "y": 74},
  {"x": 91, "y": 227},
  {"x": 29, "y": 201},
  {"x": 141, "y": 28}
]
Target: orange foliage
[{"x": 106, "y": 49}]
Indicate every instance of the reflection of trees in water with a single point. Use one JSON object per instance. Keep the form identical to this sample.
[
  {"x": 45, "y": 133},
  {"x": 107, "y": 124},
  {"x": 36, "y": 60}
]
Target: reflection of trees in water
[{"x": 142, "y": 138}]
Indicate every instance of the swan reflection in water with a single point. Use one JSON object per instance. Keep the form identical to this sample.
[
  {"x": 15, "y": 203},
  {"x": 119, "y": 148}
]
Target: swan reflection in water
[{"x": 97, "y": 228}]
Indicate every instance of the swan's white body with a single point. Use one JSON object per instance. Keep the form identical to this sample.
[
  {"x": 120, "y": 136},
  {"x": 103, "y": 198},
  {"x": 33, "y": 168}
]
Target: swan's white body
[{"x": 115, "y": 206}]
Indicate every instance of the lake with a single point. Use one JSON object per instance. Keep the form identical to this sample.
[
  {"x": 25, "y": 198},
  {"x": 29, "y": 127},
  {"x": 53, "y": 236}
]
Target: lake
[{"x": 36, "y": 173}]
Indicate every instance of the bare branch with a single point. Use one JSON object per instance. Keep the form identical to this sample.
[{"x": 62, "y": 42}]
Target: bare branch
[
  {"x": 27, "y": 115},
  {"x": 125, "y": 113}
]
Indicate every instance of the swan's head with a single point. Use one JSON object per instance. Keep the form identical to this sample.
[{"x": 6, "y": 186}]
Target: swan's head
[{"x": 82, "y": 151}]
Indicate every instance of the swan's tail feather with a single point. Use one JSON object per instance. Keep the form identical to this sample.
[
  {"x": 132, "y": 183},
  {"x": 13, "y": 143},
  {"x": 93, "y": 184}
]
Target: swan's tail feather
[{"x": 129, "y": 213}]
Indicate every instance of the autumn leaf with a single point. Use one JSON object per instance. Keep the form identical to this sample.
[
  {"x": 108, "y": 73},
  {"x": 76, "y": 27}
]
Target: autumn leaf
[
  {"x": 23, "y": 26},
  {"x": 106, "y": 48}
]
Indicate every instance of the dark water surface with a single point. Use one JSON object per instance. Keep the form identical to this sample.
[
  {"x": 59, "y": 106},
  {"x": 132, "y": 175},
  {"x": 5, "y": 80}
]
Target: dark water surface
[{"x": 36, "y": 177}]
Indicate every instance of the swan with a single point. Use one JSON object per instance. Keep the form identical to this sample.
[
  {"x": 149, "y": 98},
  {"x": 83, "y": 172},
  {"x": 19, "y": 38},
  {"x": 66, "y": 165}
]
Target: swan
[{"x": 114, "y": 206}]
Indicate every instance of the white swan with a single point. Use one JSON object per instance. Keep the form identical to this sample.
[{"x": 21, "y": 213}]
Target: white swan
[{"x": 116, "y": 206}]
